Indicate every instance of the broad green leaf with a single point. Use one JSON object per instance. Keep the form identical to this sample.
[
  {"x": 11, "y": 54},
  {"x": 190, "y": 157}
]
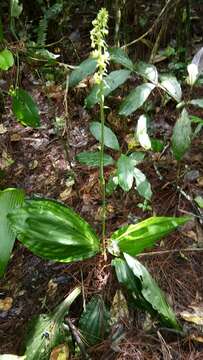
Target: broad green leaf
[
  {"x": 172, "y": 86},
  {"x": 135, "y": 238},
  {"x": 119, "y": 56},
  {"x": 197, "y": 102},
  {"x": 141, "y": 132},
  {"x": 152, "y": 293},
  {"x": 110, "y": 139},
  {"x": 125, "y": 172},
  {"x": 46, "y": 331},
  {"x": 143, "y": 186},
  {"x": 94, "y": 321},
  {"x": 147, "y": 71},
  {"x": 25, "y": 109},
  {"x": 137, "y": 157},
  {"x": 182, "y": 133},
  {"x": 199, "y": 201},
  {"x": 93, "y": 158},
  {"x": 127, "y": 279},
  {"x": 53, "y": 231},
  {"x": 86, "y": 68},
  {"x": 157, "y": 145},
  {"x": 135, "y": 99},
  {"x": 9, "y": 199},
  {"x": 111, "y": 185},
  {"x": 15, "y": 8},
  {"x": 111, "y": 82},
  {"x": 196, "y": 119},
  {"x": 6, "y": 59}
]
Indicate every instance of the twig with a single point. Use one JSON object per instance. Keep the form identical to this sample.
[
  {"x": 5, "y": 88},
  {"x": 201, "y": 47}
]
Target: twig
[
  {"x": 68, "y": 325},
  {"x": 150, "y": 29},
  {"x": 172, "y": 251}
]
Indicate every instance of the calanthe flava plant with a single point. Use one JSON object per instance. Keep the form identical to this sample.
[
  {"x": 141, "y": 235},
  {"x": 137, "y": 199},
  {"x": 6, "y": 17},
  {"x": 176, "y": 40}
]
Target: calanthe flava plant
[
  {"x": 100, "y": 53},
  {"x": 56, "y": 232}
]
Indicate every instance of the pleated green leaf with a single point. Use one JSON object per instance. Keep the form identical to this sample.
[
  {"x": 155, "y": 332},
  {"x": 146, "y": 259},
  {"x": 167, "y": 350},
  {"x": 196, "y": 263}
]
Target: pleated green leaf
[
  {"x": 125, "y": 172},
  {"x": 119, "y": 56},
  {"x": 53, "y": 231},
  {"x": 6, "y": 59},
  {"x": 111, "y": 82},
  {"x": 86, "y": 68},
  {"x": 127, "y": 279},
  {"x": 25, "y": 109},
  {"x": 182, "y": 135},
  {"x": 90, "y": 158},
  {"x": 9, "y": 199},
  {"x": 197, "y": 102},
  {"x": 172, "y": 86},
  {"x": 94, "y": 321},
  {"x": 147, "y": 71},
  {"x": 143, "y": 186},
  {"x": 46, "y": 331},
  {"x": 133, "y": 239},
  {"x": 110, "y": 139},
  {"x": 136, "y": 99},
  {"x": 152, "y": 293}
]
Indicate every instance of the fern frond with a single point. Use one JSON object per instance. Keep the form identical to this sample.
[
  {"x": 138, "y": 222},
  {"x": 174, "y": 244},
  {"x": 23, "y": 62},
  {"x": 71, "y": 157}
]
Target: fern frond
[{"x": 42, "y": 32}]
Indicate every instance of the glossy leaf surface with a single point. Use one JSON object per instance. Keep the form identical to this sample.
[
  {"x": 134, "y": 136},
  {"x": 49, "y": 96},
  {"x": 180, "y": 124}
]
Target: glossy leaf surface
[
  {"x": 127, "y": 279},
  {"x": 53, "y": 231},
  {"x": 143, "y": 186},
  {"x": 147, "y": 71},
  {"x": 142, "y": 134},
  {"x": 125, "y": 172},
  {"x": 46, "y": 331},
  {"x": 135, "y": 238},
  {"x": 152, "y": 293},
  {"x": 94, "y": 321},
  {"x": 15, "y": 8},
  {"x": 197, "y": 102},
  {"x": 86, "y": 68},
  {"x": 6, "y": 59},
  {"x": 172, "y": 86},
  {"x": 135, "y": 99},
  {"x": 137, "y": 157},
  {"x": 25, "y": 109},
  {"x": 110, "y": 139},
  {"x": 10, "y": 199},
  {"x": 119, "y": 56},
  {"x": 93, "y": 158},
  {"x": 111, "y": 82},
  {"x": 182, "y": 134}
]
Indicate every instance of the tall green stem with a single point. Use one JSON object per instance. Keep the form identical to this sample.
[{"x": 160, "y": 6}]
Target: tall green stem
[{"x": 101, "y": 172}]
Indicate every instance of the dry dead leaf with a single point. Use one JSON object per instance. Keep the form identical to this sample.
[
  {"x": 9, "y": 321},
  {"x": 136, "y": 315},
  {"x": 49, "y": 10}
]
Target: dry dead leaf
[
  {"x": 3, "y": 130},
  {"x": 6, "y": 304},
  {"x": 6, "y": 160},
  {"x": 200, "y": 181},
  {"x": 197, "y": 338},
  {"x": 60, "y": 352},
  {"x": 52, "y": 288},
  {"x": 15, "y": 137},
  {"x": 66, "y": 194},
  {"x": 195, "y": 317}
]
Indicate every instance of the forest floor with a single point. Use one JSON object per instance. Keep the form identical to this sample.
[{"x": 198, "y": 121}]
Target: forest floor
[{"x": 38, "y": 161}]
